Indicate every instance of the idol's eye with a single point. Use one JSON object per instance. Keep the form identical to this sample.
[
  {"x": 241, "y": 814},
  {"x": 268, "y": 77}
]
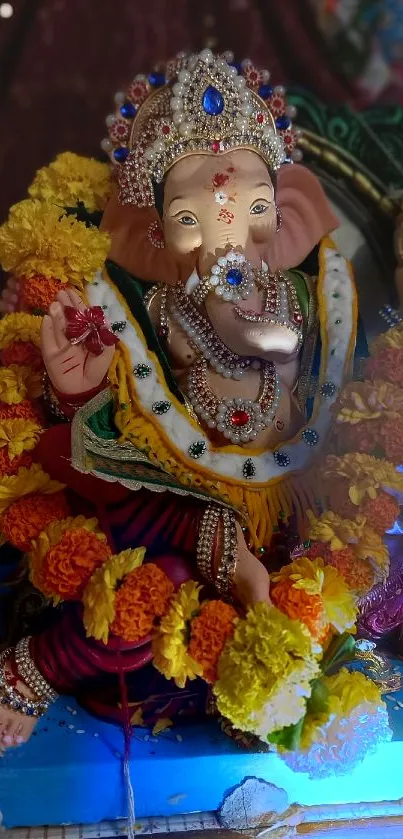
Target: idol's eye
[
  {"x": 187, "y": 220},
  {"x": 259, "y": 209}
]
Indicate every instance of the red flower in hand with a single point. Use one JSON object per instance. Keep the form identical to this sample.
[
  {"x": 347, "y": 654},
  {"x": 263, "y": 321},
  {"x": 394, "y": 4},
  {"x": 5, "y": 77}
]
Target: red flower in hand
[{"x": 89, "y": 328}]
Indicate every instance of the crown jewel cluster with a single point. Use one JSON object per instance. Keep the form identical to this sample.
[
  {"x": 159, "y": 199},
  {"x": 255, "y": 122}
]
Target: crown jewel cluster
[{"x": 197, "y": 103}]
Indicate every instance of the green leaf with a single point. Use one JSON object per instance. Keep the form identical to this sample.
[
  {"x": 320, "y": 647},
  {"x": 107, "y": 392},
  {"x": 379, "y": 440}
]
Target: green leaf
[
  {"x": 289, "y": 738},
  {"x": 339, "y": 651},
  {"x": 318, "y": 701}
]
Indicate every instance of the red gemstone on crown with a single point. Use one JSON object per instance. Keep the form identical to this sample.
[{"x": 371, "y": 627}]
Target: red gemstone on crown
[
  {"x": 260, "y": 117},
  {"x": 215, "y": 146},
  {"x": 165, "y": 129},
  {"x": 239, "y": 418},
  {"x": 297, "y": 317}
]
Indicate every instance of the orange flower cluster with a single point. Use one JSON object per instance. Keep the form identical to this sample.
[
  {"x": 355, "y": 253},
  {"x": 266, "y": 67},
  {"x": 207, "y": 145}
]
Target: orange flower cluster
[
  {"x": 68, "y": 566},
  {"x": 22, "y": 352},
  {"x": 381, "y": 512},
  {"x": 210, "y": 631},
  {"x": 362, "y": 437},
  {"x": 140, "y": 601},
  {"x": 298, "y": 604},
  {"x": 387, "y": 365},
  {"x": 29, "y": 515},
  {"x": 357, "y": 573},
  {"x": 339, "y": 501},
  {"x": 21, "y": 410},
  {"x": 11, "y": 467},
  {"x": 38, "y": 292},
  {"x": 391, "y": 438}
]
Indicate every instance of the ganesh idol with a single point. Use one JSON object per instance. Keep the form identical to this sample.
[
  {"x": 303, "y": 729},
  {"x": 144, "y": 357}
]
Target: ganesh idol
[{"x": 184, "y": 387}]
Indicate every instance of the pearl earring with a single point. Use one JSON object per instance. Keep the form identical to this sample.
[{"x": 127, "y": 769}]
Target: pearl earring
[{"x": 156, "y": 235}]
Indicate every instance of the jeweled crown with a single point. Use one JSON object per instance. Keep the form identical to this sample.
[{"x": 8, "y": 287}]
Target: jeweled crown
[{"x": 199, "y": 103}]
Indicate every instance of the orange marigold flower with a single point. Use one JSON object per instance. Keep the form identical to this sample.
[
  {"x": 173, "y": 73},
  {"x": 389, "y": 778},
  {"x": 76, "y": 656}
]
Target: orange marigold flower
[
  {"x": 143, "y": 597},
  {"x": 386, "y": 364},
  {"x": 298, "y": 604},
  {"x": 28, "y": 516},
  {"x": 22, "y": 352},
  {"x": 362, "y": 437},
  {"x": 381, "y": 512},
  {"x": 210, "y": 631},
  {"x": 68, "y": 566},
  {"x": 358, "y": 573},
  {"x": 21, "y": 410},
  {"x": 11, "y": 466},
  {"x": 391, "y": 438},
  {"x": 38, "y": 292},
  {"x": 318, "y": 549}
]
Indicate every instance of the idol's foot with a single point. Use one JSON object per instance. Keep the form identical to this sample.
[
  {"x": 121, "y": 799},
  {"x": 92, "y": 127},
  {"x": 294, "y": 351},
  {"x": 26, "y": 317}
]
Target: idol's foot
[{"x": 15, "y": 728}]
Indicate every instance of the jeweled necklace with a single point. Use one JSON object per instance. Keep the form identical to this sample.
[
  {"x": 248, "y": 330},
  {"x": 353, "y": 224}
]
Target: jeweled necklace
[
  {"x": 238, "y": 419},
  {"x": 205, "y": 340}
]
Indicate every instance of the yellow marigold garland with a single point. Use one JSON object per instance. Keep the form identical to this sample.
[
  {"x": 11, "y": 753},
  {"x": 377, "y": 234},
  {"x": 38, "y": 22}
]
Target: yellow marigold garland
[
  {"x": 71, "y": 179},
  {"x": 26, "y": 482},
  {"x": 39, "y": 239},
  {"x": 99, "y": 594},
  {"x": 365, "y": 474},
  {"x": 18, "y": 382},
  {"x": 170, "y": 645},
  {"x": 19, "y": 435},
  {"x": 20, "y": 326}
]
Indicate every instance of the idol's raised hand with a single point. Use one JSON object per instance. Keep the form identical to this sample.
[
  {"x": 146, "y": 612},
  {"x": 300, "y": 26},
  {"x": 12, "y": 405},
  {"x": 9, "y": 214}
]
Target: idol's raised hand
[{"x": 77, "y": 347}]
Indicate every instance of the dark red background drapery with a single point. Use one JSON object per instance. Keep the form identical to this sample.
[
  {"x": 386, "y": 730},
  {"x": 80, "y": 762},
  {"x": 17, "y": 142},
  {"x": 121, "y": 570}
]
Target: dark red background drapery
[{"x": 61, "y": 61}]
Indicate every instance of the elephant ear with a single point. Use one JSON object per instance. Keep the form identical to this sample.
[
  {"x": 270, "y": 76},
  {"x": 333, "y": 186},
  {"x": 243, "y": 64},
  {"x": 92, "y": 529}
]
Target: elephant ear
[
  {"x": 131, "y": 247},
  {"x": 306, "y": 217}
]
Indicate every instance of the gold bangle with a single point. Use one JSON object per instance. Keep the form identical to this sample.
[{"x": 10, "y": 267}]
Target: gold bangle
[
  {"x": 226, "y": 570},
  {"x": 205, "y": 546}
]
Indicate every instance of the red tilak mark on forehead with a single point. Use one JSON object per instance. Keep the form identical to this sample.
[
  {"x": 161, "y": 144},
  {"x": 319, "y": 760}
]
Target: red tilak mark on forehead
[
  {"x": 226, "y": 216},
  {"x": 219, "y": 179}
]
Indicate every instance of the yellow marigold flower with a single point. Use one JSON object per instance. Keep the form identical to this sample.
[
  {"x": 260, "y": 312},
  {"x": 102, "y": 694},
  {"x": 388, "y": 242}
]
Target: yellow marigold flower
[
  {"x": 366, "y": 475},
  {"x": 265, "y": 672},
  {"x": 71, "y": 179},
  {"x": 170, "y": 645},
  {"x": 50, "y": 537},
  {"x": 25, "y": 482},
  {"x": 391, "y": 338},
  {"x": 19, "y": 435},
  {"x": 20, "y": 326},
  {"x": 99, "y": 593},
  {"x": 318, "y": 579},
  {"x": 18, "y": 382},
  {"x": 361, "y": 401},
  {"x": 39, "y": 239},
  {"x": 338, "y": 532}
]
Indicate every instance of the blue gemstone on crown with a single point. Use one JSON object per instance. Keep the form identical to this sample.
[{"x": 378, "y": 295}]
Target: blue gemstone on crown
[
  {"x": 265, "y": 91},
  {"x": 234, "y": 276},
  {"x": 120, "y": 154},
  {"x": 282, "y": 123},
  {"x": 212, "y": 101},
  {"x": 156, "y": 79},
  {"x": 128, "y": 110}
]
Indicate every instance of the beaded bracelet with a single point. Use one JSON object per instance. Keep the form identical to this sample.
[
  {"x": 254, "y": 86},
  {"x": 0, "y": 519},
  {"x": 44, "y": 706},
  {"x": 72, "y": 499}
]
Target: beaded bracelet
[
  {"x": 226, "y": 569},
  {"x": 205, "y": 546},
  {"x": 13, "y": 699},
  {"x": 29, "y": 673}
]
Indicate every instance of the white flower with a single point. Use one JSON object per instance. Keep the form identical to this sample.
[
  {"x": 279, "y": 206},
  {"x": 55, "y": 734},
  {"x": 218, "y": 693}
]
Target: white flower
[{"x": 221, "y": 197}]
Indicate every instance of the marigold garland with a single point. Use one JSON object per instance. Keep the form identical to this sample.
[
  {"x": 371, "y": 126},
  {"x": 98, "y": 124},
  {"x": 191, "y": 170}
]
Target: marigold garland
[
  {"x": 140, "y": 601},
  {"x": 210, "y": 630},
  {"x": 357, "y": 533},
  {"x": 69, "y": 564},
  {"x": 71, "y": 179},
  {"x": 20, "y": 326},
  {"x": 26, "y": 409},
  {"x": 19, "y": 435},
  {"x": 23, "y": 354},
  {"x": 17, "y": 383},
  {"x": 11, "y": 465},
  {"x": 38, "y": 292},
  {"x": 26, "y": 482},
  {"x": 100, "y": 591},
  {"x": 265, "y": 672},
  {"x": 307, "y": 583},
  {"x": 170, "y": 644},
  {"x": 23, "y": 521},
  {"x": 381, "y": 512},
  {"x": 39, "y": 239},
  {"x": 365, "y": 475}
]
